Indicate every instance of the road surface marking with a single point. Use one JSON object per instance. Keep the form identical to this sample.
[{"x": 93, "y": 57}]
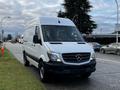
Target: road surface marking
[{"x": 113, "y": 61}]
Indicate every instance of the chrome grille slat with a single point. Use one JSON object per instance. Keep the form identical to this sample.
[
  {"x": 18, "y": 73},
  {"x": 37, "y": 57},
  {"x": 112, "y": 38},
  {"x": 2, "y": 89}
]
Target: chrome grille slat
[{"x": 71, "y": 57}]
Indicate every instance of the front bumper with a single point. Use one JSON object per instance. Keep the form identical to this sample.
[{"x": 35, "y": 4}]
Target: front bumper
[{"x": 60, "y": 68}]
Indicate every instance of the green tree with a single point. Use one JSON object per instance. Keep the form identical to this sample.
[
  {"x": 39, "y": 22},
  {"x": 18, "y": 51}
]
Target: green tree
[{"x": 78, "y": 12}]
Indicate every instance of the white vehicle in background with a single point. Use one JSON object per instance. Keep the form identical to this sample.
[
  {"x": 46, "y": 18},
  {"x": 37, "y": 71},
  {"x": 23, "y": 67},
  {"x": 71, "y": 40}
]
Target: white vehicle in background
[
  {"x": 20, "y": 40},
  {"x": 54, "y": 45},
  {"x": 111, "y": 48}
]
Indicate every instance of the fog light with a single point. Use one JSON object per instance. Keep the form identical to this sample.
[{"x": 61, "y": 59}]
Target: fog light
[{"x": 58, "y": 60}]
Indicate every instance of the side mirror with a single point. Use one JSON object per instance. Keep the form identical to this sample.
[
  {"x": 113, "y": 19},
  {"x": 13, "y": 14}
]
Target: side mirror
[
  {"x": 35, "y": 39},
  {"x": 40, "y": 41}
]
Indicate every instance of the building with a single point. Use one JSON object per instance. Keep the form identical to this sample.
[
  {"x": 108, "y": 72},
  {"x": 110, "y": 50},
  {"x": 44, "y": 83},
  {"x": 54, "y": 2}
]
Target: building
[{"x": 103, "y": 38}]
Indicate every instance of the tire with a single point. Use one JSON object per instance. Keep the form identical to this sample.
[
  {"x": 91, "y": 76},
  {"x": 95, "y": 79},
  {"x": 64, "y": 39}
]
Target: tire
[
  {"x": 103, "y": 51},
  {"x": 26, "y": 62},
  {"x": 43, "y": 73},
  {"x": 86, "y": 75},
  {"x": 118, "y": 52}
]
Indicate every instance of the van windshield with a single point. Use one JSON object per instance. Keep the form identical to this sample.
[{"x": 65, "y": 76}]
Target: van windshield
[{"x": 52, "y": 33}]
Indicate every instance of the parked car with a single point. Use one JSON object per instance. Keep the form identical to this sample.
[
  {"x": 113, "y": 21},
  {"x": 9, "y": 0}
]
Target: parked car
[
  {"x": 54, "y": 45},
  {"x": 111, "y": 48},
  {"x": 96, "y": 46}
]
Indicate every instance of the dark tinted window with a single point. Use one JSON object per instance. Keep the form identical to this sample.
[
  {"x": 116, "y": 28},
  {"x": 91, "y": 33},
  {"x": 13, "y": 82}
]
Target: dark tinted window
[{"x": 61, "y": 34}]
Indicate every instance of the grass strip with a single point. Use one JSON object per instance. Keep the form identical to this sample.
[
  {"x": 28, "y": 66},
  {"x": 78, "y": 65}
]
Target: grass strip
[{"x": 14, "y": 76}]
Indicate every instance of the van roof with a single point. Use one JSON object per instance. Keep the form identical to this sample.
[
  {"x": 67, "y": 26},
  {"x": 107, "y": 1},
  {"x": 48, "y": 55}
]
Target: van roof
[{"x": 55, "y": 21}]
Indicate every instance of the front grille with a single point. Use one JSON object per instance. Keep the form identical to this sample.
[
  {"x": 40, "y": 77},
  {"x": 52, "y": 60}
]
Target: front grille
[{"x": 76, "y": 57}]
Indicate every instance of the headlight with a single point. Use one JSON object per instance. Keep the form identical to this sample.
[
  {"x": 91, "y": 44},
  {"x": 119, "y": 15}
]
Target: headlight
[
  {"x": 93, "y": 56},
  {"x": 55, "y": 57}
]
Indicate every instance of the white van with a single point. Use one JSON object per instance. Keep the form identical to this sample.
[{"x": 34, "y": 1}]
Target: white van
[{"x": 54, "y": 45}]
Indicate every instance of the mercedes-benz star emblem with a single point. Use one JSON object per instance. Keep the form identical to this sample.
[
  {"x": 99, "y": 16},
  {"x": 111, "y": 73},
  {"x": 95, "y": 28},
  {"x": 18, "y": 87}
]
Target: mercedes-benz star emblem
[{"x": 78, "y": 56}]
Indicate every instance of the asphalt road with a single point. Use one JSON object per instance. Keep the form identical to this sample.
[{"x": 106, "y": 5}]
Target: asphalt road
[{"x": 106, "y": 77}]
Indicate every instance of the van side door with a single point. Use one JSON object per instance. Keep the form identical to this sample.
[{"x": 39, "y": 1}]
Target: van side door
[{"x": 36, "y": 46}]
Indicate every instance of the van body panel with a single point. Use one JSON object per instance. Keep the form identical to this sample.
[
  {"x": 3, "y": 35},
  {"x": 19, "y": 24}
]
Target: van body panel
[
  {"x": 40, "y": 51},
  {"x": 55, "y": 21},
  {"x": 67, "y": 47}
]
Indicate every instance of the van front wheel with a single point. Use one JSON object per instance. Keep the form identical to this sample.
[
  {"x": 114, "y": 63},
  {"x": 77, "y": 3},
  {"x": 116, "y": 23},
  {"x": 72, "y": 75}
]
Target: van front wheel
[
  {"x": 43, "y": 74},
  {"x": 103, "y": 51}
]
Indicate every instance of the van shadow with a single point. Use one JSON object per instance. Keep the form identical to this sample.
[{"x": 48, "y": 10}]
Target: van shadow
[{"x": 56, "y": 81}]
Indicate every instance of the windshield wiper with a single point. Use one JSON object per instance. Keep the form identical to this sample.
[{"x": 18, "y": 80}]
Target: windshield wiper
[
  {"x": 55, "y": 42},
  {"x": 80, "y": 42}
]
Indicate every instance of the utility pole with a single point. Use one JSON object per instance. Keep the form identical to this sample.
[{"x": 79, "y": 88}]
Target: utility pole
[{"x": 117, "y": 24}]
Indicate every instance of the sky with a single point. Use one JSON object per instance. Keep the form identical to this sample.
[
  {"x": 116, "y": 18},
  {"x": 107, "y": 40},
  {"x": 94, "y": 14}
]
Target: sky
[{"x": 103, "y": 13}]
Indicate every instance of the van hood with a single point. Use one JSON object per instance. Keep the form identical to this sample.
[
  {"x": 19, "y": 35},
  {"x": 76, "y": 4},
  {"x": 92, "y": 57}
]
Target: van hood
[{"x": 69, "y": 47}]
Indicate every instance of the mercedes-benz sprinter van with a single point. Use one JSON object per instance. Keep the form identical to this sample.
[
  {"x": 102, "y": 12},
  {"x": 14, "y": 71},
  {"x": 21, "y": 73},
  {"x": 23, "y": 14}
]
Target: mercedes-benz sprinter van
[{"x": 54, "y": 45}]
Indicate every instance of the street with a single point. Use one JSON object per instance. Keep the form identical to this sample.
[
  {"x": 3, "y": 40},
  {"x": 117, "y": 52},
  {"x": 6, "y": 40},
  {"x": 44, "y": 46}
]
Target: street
[{"x": 106, "y": 77}]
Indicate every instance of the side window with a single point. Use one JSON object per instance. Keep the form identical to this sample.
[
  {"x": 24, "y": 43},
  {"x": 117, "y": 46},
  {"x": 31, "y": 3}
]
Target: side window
[
  {"x": 37, "y": 31},
  {"x": 36, "y": 37}
]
